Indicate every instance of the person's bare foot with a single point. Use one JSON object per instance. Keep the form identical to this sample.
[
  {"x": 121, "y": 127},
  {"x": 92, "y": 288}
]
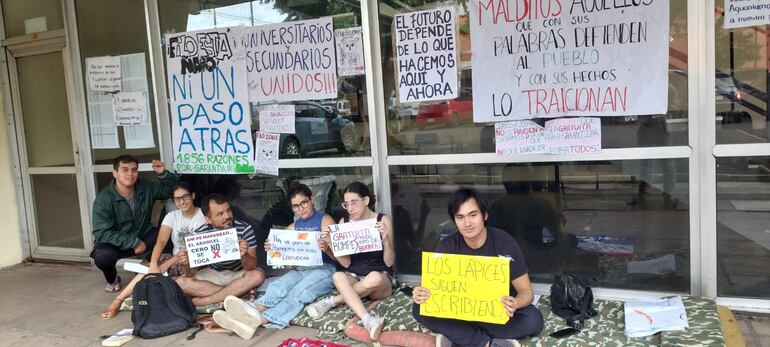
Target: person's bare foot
[{"x": 112, "y": 310}]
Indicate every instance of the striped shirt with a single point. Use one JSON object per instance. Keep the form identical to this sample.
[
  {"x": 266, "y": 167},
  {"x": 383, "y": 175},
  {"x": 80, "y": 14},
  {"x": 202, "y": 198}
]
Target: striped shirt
[{"x": 245, "y": 232}]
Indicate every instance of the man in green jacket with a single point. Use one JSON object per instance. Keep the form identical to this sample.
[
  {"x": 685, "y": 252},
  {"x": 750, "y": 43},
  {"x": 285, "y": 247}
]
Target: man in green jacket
[{"x": 121, "y": 215}]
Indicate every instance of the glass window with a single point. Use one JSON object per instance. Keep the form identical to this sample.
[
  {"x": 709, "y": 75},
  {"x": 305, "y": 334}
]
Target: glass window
[
  {"x": 625, "y": 223},
  {"x": 115, "y": 28},
  {"x": 743, "y": 227},
  {"x": 19, "y": 15},
  {"x": 447, "y": 126},
  {"x": 333, "y": 131},
  {"x": 741, "y": 80}
]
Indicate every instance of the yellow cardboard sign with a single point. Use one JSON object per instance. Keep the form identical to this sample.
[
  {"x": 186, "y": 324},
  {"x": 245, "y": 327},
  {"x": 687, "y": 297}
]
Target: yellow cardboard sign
[{"x": 465, "y": 287}]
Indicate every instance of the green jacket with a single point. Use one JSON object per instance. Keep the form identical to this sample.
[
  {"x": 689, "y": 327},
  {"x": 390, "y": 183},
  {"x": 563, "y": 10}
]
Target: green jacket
[{"x": 113, "y": 220}]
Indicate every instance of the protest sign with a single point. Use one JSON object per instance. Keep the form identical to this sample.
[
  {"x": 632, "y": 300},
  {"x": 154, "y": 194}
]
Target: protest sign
[
  {"x": 350, "y": 51},
  {"x": 743, "y": 13},
  {"x": 277, "y": 119},
  {"x": 212, "y": 247},
  {"x": 294, "y": 248},
  {"x": 291, "y": 61},
  {"x": 266, "y": 154},
  {"x": 571, "y": 58},
  {"x": 426, "y": 59},
  {"x": 573, "y": 136},
  {"x": 103, "y": 74},
  {"x": 210, "y": 113},
  {"x": 465, "y": 287},
  {"x": 519, "y": 137},
  {"x": 130, "y": 108},
  {"x": 355, "y": 237}
]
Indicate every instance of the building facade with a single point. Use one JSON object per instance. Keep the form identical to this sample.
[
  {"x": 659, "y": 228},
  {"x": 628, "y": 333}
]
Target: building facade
[{"x": 674, "y": 203}]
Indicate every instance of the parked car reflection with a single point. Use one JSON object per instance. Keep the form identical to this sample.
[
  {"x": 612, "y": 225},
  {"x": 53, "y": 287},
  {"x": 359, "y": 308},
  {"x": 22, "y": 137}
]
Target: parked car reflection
[{"x": 317, "y": 129}]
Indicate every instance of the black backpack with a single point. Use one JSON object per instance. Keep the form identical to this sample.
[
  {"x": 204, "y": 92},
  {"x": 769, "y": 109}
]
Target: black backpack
[
  {"x": 572, "y": 299},
  {"x": 160, "y": 307}
]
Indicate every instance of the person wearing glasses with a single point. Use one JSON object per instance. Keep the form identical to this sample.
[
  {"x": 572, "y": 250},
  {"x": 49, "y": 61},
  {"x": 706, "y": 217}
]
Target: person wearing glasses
[
  {"x": 288, "y": 295},
  {"x": 175, "y": 226},
  {"x": 363, "y": 274}
]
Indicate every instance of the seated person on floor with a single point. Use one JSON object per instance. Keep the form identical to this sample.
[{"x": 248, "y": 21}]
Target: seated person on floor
[
  {"x": 121, "y": 215},
  {"x": 213, "y": 283},
  {"x": 287, "y": 296},
  {"x": 363, "y": 274},
  {"x": 469, "y": 211},
  {"x": 175, "y": 226}
]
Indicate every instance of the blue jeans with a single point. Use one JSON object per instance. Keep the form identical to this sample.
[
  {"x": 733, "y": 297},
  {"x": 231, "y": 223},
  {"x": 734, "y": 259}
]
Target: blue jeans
[{"x": 287, "y": 296}]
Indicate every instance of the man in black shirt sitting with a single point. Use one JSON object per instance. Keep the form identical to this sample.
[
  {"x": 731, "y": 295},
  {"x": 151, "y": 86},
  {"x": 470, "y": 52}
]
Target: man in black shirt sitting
[{"x": 469, "y": 212}]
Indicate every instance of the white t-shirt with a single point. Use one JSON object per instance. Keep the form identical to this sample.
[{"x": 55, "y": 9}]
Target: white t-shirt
[{"x": 181, "y": 227}]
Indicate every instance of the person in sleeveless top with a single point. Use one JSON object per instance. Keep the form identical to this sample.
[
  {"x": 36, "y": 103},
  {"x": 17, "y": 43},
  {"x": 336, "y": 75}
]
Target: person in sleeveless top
[
  {"x": 364, "y": 274},
  {"x": 288, "y": 295},
  {"x": 175, "y": 226}
]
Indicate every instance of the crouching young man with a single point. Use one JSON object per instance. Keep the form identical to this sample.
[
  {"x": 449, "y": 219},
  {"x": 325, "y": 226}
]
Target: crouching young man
[
  {"x": 212, "y": 283},
  {"x": 469, "y": 212}
]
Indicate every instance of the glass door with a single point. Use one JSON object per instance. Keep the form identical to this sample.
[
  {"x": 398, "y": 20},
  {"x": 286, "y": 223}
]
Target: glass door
[{"x": 53, "y": 194}]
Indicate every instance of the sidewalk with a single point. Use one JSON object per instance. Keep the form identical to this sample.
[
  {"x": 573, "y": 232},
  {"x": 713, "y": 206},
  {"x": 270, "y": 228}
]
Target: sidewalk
[{"x": 60, "y": 305}]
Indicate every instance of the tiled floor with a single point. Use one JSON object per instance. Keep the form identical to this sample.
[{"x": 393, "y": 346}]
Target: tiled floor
[{"x": 57, "y": 304}]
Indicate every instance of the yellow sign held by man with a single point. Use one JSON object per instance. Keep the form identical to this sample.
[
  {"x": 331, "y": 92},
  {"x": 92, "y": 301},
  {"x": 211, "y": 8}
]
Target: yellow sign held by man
[{"x": 465, "y": 287}]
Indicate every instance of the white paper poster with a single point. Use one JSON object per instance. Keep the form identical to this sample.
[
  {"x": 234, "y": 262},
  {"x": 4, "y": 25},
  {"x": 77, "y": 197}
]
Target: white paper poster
[
  {"x": 266, "y": 154},
  {"x": 294, "y": 248},
  {"x": 291, "y": 61},
  {"x": 210, "y": 113},
  {"x": 350, "y": 51},
  {"x": 568, "y": 59},
  {"x": 426, "y": 59},
  {"x": 278, "y": 119},
  {"x": 103, "y": 73},
  {"x": 573, "y": 136},
  {"x": 355, "y": 237},
  {"x": 130, "y": 108},
  {"x": 212, "y": 247},
  {"x": 519, "y": 137},
  {"x": 746, "y": 13}
]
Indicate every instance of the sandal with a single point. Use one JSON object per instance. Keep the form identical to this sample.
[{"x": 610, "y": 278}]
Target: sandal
[
  {"x": 112, "y": 310},
  {"x": 113, "y": 287}
]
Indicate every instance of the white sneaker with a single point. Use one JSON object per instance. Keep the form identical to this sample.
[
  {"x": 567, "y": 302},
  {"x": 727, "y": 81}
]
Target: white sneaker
[
  {"x": 225, "y": 320},
  {"x": 242, "y": 311},
  {"x": 318, "y": 308},
  {"x": 442, "y": 341},
  {"x": 374, "y": 327}
]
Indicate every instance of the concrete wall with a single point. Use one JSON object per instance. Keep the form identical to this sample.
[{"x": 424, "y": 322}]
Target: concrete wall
[{"x": 10, "y": 234}]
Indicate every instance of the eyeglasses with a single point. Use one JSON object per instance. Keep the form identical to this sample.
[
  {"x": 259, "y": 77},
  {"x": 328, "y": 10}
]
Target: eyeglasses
[
  {"x": 186, "y": 197},
  {"x": 351, "y": 203},
  {"x": 301, "y": 205}
]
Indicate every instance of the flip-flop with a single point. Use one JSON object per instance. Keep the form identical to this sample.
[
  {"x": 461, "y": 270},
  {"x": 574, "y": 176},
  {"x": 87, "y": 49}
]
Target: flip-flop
[{"x": 113, "y": 287}]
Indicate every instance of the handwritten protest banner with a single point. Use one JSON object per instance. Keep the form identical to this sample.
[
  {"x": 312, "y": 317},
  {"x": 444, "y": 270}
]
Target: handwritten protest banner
[
  {"x": 355, "y": 237},
  {"x": 519, "y": 137},
  {"x": 103, "y": 74},
  {"x": 568, "y": 58},
  {"x": 465, "y": 287},
  {"x": 130, "y": 108},
  {"x": 426, "y": 60},
  {"x": 743, "y": 13},
  {"x": 277, "y": 119},
  {"x": 212, "y": 247},
  {"x": 291, "y": 61},
  {"x": 573, "y": 136},
  {"x": 266, "y": 155},
  {"x": 350, "y": 51},
  {"x": 210, "y": 114},
  {"x": 294, "y": 248}
]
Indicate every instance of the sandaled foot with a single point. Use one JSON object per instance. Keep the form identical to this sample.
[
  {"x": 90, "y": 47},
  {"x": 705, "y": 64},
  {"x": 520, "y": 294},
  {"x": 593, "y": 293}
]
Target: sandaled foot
[
  {"x": 112, "y": 310},
  {"x": 113, "y": 287}
]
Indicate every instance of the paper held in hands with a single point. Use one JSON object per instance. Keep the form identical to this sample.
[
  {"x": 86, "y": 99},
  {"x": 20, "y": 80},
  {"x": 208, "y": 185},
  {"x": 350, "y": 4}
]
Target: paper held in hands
[
  {"x": 294, "y": 248},
  {"x": 355, "y": 237},
  {"x": 212, "y": 247}
]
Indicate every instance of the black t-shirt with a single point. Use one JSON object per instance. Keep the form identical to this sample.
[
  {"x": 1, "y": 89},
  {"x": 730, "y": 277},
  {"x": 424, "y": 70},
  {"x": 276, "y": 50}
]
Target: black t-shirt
[{"x": 498, "y": 243}]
